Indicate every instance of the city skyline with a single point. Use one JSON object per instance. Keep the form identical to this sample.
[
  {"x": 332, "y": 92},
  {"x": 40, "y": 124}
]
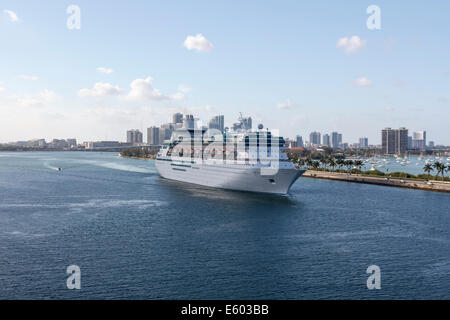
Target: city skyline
[
  {"x": 327, "y": 74},
  {"x": 160, "y": 132},
  {"x": 156, "y": 135}
]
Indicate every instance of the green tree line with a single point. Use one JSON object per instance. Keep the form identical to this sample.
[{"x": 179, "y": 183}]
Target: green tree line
[{"x": 143, "y": 152}]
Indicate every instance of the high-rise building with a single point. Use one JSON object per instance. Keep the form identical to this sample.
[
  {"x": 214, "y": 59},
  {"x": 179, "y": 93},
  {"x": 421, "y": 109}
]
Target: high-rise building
[
  {"x": 326, "y": 140},
  {"x": 388, "y": 141},
  {"x": 410, "y": 143},
  {"x": 299, "y": 141},
  {"x": 431, "y": 144},
  {"x": 363, "y": 143},
  {"x": 188, "y": 122},
  {"x": 401, "y": 137},
  {"x": 130, "y": 136},
  {"x": 134, "y": 136},
  {"x": 419, "y": 140},
  {"x": 165, "y": 132},
  {"x": 153, "y": 136},
  {"x": 314, "y": 138},
  {"x": 420, "y": 135},
  {"x": 177, "y": 118},
  {"x": 394, "y": 141},
  {"x": 138, "y": 136},
  {"x": 336, "y": 140},
  {"x": 217, "y": 123}
]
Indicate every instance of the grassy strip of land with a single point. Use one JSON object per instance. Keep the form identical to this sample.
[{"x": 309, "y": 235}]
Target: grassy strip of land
[{"x": 386, "y": 180}]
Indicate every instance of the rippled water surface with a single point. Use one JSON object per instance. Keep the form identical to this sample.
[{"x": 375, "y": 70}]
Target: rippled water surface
[{"x": 135, "y": 235}]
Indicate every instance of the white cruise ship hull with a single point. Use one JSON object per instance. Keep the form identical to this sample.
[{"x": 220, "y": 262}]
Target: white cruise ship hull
[{"x": 231, "y": 176}]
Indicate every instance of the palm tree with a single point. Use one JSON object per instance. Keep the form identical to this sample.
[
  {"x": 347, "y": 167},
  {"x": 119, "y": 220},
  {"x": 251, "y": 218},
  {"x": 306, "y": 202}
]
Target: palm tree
[
  {"x": 340, "y": 163},
  {"x": 358, "y": 164},
  {"x": 348, "y": 164},
  {"x": 442, "y": 170},
  {"x": 323, "y": 161},
  {"x": 428, "y": 168},
  {"x": 331, "y": 163},
  {"x": 309, "y": 163},
  {"x": 315, "y": 164},
  {"x": 437, "y": 166}
]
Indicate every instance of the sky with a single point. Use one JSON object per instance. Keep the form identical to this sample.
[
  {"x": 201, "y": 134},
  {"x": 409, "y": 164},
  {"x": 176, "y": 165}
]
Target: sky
[{"x": 296, "y": 66}]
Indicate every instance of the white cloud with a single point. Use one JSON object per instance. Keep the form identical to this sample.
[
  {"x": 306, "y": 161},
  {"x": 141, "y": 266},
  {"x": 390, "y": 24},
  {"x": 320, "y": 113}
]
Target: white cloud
[
  {"x": 27, "y": 77},
  {"x": 142, "y": 89},
  {"x": 184, "y": 89},
  {"x": 285, "y": 105},
  {"x": 198, "y": 43},
  {"x": 100, "y": 89},
  {"x": 105, "y": 70},
  {"x": 362, "y": 82},
  {"x": 2, "y": 89},
  {"x": 351, "y": 45},
  {"x": 12, "y": 15},
  {"x": 42, "y": 98},
  {"x": 178, "y": 96}
]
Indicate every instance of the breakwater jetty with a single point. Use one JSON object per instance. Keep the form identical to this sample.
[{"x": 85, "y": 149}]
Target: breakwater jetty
[{"x": 440, "y": 186}]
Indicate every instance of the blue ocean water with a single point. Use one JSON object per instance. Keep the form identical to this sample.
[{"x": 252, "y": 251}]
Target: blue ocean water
[{"x": 137, "y": 236}]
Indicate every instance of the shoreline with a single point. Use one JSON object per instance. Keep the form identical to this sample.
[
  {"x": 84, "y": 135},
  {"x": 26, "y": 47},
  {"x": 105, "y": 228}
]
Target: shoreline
[
  {"x": 432, "y": 185},
  {"x": 439, "y": 186}
]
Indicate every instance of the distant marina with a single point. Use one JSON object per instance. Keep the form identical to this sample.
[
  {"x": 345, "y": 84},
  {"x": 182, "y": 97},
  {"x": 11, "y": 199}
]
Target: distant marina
[{"x": 412, "y": 164}]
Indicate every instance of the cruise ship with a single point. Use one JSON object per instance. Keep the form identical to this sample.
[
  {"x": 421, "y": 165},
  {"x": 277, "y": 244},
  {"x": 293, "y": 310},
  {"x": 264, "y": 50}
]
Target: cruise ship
[{"x": 241, "y": 159}]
